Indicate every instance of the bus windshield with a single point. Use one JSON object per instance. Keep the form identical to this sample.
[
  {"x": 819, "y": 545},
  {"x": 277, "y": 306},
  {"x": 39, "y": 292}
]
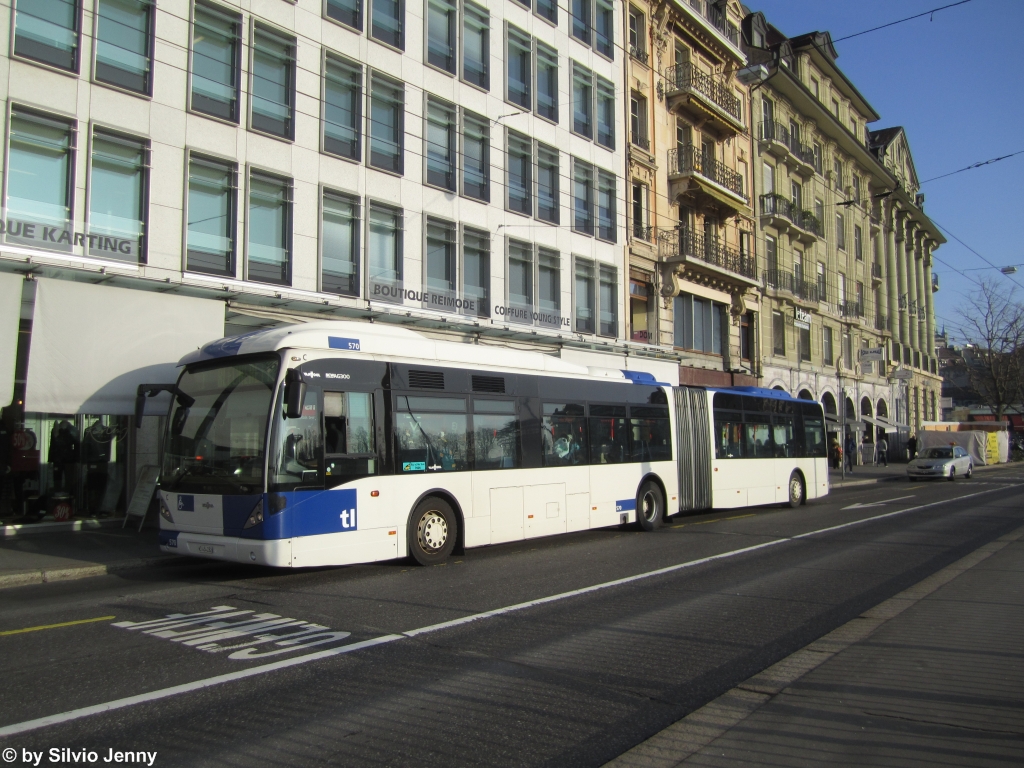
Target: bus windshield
[{"x": 217, "y": 444}]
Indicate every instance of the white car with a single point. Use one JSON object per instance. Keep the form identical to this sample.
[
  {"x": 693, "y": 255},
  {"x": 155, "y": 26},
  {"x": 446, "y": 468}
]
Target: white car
[{"x": 946, "y": 461}]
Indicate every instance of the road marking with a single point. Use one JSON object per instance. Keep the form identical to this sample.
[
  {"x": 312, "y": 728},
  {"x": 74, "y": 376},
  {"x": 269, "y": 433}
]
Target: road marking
[
  {"x": 163, "y": 693},
  {"x": 877, "y": 503},
  {"x": 716, "y": 520},
  {"x": 55, "y": 626}
]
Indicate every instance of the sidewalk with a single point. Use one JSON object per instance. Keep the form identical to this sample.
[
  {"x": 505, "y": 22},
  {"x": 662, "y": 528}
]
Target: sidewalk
[
  {"x": 933, "y": 676},
  {"x": 76, "y": 555},
  {"x": 867, "y": 474}
]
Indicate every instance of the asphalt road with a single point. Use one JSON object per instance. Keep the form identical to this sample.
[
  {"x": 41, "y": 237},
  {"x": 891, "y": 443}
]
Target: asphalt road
[{"x": 368, "y": 677}]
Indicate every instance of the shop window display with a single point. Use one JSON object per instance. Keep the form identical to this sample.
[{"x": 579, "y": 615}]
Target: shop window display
[{"x": 58, "y": 468}]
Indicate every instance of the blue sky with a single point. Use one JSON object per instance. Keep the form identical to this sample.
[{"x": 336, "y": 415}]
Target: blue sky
[{"x": 953, "y": 83}]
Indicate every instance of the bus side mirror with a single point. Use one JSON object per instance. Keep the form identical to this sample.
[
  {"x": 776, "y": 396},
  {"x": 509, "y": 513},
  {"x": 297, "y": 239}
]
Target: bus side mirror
[{"x": 294, "y": 393}]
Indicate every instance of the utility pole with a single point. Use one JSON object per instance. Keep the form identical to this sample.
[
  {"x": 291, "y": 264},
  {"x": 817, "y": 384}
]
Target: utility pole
[{"x": 842, "y": 412}]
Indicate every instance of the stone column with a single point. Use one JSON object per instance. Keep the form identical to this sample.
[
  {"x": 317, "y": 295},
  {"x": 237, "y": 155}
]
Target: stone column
[
  {"x": 929, "y": 307},
  {"x": 901, "y": 277},
  {"x": 911, "y": 313},
  {"x": 923, "y": 291},
  {"x": 891, "y": 270}
]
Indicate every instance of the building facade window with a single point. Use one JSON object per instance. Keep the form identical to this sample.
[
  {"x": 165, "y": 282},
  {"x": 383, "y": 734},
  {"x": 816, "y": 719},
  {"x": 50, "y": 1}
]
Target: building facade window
[
  {"x": 604, "y": 28},
  {"x": 476, "y": 270},
  {"x": 747, "y": 327},
  {"x": 547, "y": 184},
  {"x": 476, "y": 45},
  {"x": 440, "y": 144},
  {"x": 519, "y": 173},
  {"x": 640, "y": 198},
  {"x": 384, "y": 252},
  {"x": 827, "y": 346},
  {"x": 778, "y": 333},
  {"x": 439, "y": 264},
  {"x": 124, "y": 47},
  {"x": 547, "y": 82},
  {"x": 442, "y": 16},
  {"x": 580, "y": 12},
  {"x": 582, "y": 197},
  {"x": 840, "y": 231},
  {"x": 641, "y": 316},
  {"x": 638, "y": 134},
  {"x": 548, "y": 10},
  {"x": 339, "y": 245},
  {"x": 584, "y": 297},
  {"x": 118, "y": 186},
  {"x": 804, "y": 341},
  {"x": 698, "y": 324},
  {"x": 606, "y": 213},
  {"x": 856, "y": 189},
  {"x": 212, "y": 199},
  {"x": 387, "y": 22},
  {"x": 273, "y": 84},
  {"x": 582, "y": 101},
  {"x": 637, "y": 34},
  {"x": 520, "y": 281},
  {"x": 216, "y": 62},
  {"x": 858, "y": 242},
  {"x": 347, "y": 12},
  {"x": 387, "y": 127},
  {"x": 608, "y": 301},
  {"x": 848, "y": 350},
  {"x": 549, "y": 287},
  {"x": 269, "y": 230},
  {"x": 517, "y": 65},
  {"x": 604, "y": 96},
  {"x": 821, "y": 282},
  {"x": 40, "y": 176},
  {"x": 47, "y": 32},
  {"x": 342, "y": 108},
  {"x": 476, "y": 157},
  {"x": 837, "y": 174}
]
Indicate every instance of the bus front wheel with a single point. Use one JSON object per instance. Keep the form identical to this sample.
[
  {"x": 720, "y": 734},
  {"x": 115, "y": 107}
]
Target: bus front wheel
[
  {"x": 650, "y": 506},
  {"x": 796, "y": 490},
  {"x": 433, "y": 530}
]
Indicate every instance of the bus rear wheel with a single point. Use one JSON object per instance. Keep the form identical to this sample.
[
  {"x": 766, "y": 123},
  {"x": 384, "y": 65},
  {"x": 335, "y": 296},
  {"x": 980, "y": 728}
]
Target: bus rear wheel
[
  {"x": 796, "y": 490},
  {"x": 650, "y": 506},
  {"x": 432, "y": 532}
]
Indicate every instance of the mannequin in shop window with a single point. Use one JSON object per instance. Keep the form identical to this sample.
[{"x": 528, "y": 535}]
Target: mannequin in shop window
[
  {"x": 63, "y": 454},
  {"x": 96, "y": 447}
]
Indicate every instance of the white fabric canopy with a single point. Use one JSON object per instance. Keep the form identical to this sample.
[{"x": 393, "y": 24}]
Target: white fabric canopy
[
  {"x": 10, "y": 314},
  {"x": 92, "y": 345}
]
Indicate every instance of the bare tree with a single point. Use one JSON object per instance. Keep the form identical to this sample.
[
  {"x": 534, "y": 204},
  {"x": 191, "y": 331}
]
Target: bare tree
[{"x": 992, "y": 322}]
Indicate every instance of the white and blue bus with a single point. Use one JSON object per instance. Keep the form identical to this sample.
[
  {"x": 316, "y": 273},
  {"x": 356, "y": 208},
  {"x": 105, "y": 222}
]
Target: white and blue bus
[{"x": 339, "y": 442}]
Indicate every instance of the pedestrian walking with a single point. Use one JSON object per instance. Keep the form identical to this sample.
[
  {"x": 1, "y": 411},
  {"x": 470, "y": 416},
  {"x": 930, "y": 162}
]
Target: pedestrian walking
[
  {"x": 851, "y": 448},
  {"x": 882, "y": 452},
  {"x": 912, "y": 446}
]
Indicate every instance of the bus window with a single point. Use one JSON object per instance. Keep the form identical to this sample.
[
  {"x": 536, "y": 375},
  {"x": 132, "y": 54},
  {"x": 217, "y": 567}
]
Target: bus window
[
  {"x": 651, "y": 438},
  {"x": 782, "y": 437},
  {"x": 609, "y": 438},
  {"x": 295, "y": 461},
  {"x": 348, "y": 437},
  {"x": 431, "y": 434},
  {"x": 729, "y": 436},
  {"x": 757, "y": 436},
  {"x": 814, "y": 436},
  {"x": 564, "y": 434},
  {"x": 495, "y": 434}
]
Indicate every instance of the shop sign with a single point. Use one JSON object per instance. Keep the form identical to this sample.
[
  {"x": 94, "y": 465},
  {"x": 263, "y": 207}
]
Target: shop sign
[
  {"x": 529, "y": 315},
  {"x": 872, "y": 354},
  {"x": 802, "y": 319},
  {"x": 23, "y": 440},
  {"x": 63, "y": 238},
  {"x": 396, "y": 293},
  {"x": 903, "y": 374}
]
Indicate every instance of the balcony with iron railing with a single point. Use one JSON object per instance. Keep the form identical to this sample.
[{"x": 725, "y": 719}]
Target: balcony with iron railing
[
  {"x": 876, "y": 272},
  {"x": 791, "y": 283},
  {"x": 638, "y": 139},
  {"x": 689, "y": 245},
  {"x": 638, "y": 53},
  {"x": 703, "y": 97},
  {"x": 715, "y": 15},
  {"x": 779, "y": 141},
  {"x": 643, "y": 232},
  {"x": 882, "y": 323},
  {"x": 850, "y": 308},
  {"x": 780, "y": 212},
  {"x": 690, "y": 161}
]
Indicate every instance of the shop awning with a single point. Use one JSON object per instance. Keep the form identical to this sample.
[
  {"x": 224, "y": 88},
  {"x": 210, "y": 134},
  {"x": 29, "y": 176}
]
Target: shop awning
[
  {"x": 10, "y": 315},
  {"x": 92, "y": 345},
  {"x": 832, "y": 424},
  {"x": 890, "y": 426}
]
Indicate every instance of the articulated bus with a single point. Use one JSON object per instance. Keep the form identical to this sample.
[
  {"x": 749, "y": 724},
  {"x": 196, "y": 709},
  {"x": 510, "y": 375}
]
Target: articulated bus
[{"x": 339, "y": 442}]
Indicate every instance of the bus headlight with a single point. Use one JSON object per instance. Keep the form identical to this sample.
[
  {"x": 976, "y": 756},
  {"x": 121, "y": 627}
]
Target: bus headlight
[
  {"x": 256, "y": 517},
  {"x": 165, "y": 511}
]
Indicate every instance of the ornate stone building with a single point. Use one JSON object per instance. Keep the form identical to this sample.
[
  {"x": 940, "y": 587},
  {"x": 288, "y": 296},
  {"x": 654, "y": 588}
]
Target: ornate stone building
[
  {"x": 840, "y": 308},
  {"x": 692, "y": 273}
]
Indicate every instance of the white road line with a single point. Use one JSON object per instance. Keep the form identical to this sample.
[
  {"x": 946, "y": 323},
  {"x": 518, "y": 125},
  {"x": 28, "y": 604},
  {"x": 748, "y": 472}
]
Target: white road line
[{"x": 163, "y": 693}]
